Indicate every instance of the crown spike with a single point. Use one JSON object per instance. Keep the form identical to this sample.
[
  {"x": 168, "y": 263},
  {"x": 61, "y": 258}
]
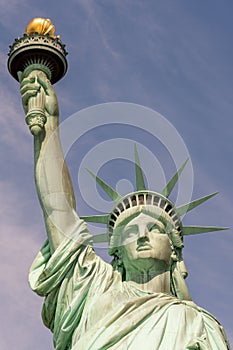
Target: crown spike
[
  {"x": 100, "y": 219},
  {"x": 140, "y": 184},
  {"x": 193, "y": 230},
  {"x": 171, "y": 184},
  {"x": 109, "y": 190},
  {"x": 189, "y": 206}
]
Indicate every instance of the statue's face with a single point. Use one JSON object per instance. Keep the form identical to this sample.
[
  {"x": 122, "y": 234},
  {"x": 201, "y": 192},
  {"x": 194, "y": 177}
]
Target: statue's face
[{"x": 144, "y": 237}]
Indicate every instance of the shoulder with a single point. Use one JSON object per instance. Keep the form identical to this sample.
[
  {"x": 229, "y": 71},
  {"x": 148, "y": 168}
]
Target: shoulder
[
  {"x": 199, "y": 318},
  {"x": 193, "y": 312}
]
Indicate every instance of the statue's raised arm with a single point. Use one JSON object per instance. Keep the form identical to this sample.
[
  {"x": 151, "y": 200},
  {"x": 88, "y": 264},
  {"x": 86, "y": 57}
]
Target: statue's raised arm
[{"x": 52, "y": 177}]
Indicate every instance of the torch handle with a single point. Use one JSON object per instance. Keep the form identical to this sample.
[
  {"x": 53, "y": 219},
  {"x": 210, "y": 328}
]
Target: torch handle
[{"x": 36, "y": 117}]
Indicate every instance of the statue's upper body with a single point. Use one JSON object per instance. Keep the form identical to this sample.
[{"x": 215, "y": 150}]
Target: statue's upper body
[{"x": 89, "y": 304}]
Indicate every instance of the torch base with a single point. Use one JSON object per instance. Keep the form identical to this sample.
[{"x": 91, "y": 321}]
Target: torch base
[{"x": 38, "y": 49}]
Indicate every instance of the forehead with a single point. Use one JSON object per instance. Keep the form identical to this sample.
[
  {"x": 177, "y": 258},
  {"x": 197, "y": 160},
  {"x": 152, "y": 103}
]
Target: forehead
[{"x": 144, "y": 219}]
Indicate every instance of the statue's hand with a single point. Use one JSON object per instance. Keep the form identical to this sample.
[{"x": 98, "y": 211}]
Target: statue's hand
[{"x": 31, "y": 86}]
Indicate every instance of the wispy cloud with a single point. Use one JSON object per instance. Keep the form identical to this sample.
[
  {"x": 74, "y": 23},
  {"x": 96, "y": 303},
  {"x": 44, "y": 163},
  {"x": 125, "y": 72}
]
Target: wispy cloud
[
  {"x": 18, "y": 302},
  {"x": 14, "y": 132},
  {"x": 19, "y": 246}
]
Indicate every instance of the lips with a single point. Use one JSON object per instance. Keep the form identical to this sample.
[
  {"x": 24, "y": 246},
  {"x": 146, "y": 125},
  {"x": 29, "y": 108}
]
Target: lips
[{"x": 143, "y": 247}]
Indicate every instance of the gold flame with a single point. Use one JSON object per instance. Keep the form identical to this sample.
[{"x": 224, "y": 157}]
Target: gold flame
[{"x": 41, "y": 26}]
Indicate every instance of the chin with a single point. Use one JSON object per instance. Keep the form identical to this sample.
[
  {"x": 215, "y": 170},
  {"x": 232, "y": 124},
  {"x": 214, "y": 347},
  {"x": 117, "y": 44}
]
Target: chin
[{"x": 144, "y": 254}]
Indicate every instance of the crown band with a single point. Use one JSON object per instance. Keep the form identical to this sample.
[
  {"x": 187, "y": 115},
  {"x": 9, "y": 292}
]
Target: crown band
[{"x": 144, "y": 198}]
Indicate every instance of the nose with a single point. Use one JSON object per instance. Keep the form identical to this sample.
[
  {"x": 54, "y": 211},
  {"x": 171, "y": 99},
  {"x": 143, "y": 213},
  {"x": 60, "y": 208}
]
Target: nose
[{"x": 143, "y": 233}]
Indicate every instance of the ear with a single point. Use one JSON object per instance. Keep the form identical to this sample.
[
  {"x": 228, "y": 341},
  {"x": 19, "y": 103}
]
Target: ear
[{"x": 182, "y": 266}]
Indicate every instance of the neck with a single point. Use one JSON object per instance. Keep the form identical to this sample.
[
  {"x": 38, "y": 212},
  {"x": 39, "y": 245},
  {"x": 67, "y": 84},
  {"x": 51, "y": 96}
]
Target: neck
[{"x": 150, "y": 280}]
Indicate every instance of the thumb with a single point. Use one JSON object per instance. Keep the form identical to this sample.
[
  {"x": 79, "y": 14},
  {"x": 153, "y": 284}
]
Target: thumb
[{"x": 20, "y": 76}]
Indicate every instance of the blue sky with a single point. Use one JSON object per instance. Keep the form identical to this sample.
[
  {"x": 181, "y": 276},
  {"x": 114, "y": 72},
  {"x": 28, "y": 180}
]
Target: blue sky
[{"x": 174, "y": 57}]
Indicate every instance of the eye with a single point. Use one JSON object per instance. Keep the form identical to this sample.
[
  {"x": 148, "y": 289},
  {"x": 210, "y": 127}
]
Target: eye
[
  {"x": 130, "y": 232},
  {"x": 154, "y": 228}
]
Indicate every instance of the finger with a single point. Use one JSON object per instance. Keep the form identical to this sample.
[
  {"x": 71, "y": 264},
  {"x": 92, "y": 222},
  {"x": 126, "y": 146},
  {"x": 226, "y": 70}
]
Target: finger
[
  {"x": 26, "y": 81},
  {"x": 29, "y": 87},
  {"x": 27, "y": 95},
  {"x": 45, "y": 83}
]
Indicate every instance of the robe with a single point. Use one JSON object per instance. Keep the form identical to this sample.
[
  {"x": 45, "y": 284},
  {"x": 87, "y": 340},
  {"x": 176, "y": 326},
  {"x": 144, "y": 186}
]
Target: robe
[{"x": 88, "y": 307}]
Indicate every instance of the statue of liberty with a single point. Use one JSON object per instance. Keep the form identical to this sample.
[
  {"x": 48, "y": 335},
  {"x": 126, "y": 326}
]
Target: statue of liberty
[{"x": 140, "y": 300}]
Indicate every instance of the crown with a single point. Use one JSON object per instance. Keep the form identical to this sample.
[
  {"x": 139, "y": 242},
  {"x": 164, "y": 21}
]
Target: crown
[{"x": 145, "y": 198}]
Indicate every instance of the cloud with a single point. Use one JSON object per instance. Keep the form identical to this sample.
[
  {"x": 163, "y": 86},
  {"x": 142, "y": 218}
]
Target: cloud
[
  {"x": 18, "y": 302},
  {"x": 14, "y": 132},
  {"x": 19, "y": 245}
]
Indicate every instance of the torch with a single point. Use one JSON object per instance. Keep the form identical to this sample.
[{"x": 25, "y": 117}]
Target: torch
[{"x": 38, "y": 50}]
